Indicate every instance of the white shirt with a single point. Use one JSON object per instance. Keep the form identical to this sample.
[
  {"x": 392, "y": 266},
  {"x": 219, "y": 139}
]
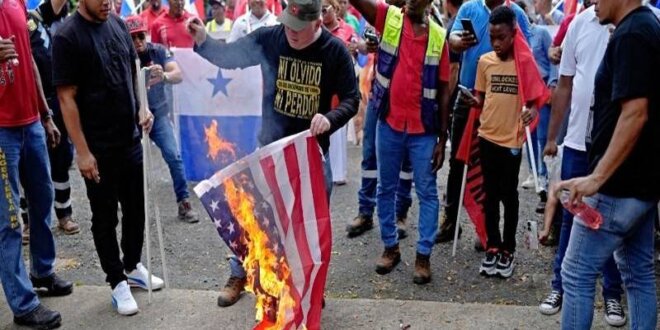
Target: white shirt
[
  {"x": 583, "y": 51},
  {"x": 247, "y": 23}
]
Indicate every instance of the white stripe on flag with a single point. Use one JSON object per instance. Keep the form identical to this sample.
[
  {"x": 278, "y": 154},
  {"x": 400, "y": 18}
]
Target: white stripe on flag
[
  {"x": 290, "y": 244},
  {"x": 309, "y": 215},
  {"x": 262, "y": 186}
]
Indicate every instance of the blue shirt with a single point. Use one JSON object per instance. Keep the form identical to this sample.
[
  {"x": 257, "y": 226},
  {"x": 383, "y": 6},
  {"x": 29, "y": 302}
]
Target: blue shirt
[
  {"x": 157, "y": 54},
  {"x": 479, "y": 14},
  {"x": 540, "y": 44}
]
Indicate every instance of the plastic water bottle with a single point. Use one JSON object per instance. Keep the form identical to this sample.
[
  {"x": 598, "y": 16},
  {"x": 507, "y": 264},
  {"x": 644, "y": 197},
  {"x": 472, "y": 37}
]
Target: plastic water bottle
[
  {"x": 590, "y": 216},
  {"x": 532, "y": 235}
]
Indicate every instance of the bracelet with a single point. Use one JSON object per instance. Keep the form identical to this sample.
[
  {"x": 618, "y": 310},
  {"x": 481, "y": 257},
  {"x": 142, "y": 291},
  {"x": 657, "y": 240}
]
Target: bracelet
[{"x": 48, "y": 114}]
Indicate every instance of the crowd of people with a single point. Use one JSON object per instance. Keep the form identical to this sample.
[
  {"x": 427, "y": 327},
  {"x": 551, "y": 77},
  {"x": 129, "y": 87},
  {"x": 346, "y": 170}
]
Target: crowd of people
[{"x": 68, "y": 85}]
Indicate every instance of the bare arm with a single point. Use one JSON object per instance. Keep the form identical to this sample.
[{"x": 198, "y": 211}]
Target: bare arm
[
  {"x": 634, "y": 115},
  {"x": 86, "y": 161},
  {"x": 367, "y": 8},
  {"x": 52, "y": 133},
  {"x": 561, "y": 100},
  {"x": 453, "y": 76},
  {"x": 173, "y": 73}
]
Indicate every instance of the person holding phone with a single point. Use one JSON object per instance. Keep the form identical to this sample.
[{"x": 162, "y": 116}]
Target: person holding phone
[
  {"x": 471, "y": 43},
  {"x": 162, "y": 70},
  {"x": 410, "y": 96}
]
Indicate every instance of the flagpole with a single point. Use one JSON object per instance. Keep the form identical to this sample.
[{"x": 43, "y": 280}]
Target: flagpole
[
  {"x": 142, "y": 93},
  {"x": 460, "y": 206},
  {"x": 556, "y": 7},
  {"x": 532, "y": 158},
  {"x": 159, "y": 229}
]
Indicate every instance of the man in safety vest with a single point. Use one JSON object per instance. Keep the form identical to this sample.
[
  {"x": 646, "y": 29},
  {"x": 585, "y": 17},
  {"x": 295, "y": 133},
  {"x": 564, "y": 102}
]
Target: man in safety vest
[
  {"x": 411, "y": 96},
  {"x": 218, "y": 23}
]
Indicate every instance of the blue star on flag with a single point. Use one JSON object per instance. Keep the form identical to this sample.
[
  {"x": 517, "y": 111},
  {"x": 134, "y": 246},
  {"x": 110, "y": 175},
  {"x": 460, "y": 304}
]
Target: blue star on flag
[{"x": 219, "y": 83}]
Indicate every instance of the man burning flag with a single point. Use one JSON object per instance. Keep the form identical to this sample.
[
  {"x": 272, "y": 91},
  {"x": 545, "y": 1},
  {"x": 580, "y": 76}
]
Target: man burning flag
[{"x": 271, "y": 209}]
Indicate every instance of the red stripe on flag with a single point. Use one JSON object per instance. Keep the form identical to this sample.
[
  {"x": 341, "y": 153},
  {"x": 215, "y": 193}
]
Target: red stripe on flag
[
  {"x": 268, "y": 168},
  {"x": 297, "y": 218},
  {"x": 322, "y": 212}
]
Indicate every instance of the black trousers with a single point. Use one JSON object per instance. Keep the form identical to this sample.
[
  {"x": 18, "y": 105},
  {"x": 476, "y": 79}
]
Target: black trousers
[
  {"x": 500, "y": 169},
  {"x": 455, "y": 178},
  {"x": 121, "y": 182}
]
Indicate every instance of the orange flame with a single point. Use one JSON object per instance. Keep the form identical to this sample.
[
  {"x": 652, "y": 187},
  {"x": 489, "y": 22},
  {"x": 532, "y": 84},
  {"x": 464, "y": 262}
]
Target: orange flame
[
  {"x": 217, "y": 145},
  {"x": 268, "y": 276}
]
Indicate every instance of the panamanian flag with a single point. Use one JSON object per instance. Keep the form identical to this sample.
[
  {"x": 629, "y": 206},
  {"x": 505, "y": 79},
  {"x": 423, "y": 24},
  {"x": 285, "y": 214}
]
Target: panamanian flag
[{"x": 218, "y": 111}]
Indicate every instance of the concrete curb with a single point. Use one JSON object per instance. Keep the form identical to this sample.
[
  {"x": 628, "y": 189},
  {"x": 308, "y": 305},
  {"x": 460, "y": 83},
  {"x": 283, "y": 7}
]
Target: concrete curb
[{"x": 89, "y": 308}]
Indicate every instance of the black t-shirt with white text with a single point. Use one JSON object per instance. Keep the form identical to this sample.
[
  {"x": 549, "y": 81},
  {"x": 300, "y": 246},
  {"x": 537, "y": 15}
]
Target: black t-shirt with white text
[
  {"x": 297, "y": 83},
  {"x": 98, "y": 58},
  {"x": 629, "y": 70}
]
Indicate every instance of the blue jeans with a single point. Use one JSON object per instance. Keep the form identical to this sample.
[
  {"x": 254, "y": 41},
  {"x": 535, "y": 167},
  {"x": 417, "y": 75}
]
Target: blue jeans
[
  {"x": 236, "y": 265},
  {"x": 391, "y": 147},
  {"x": 23, "y": 150},
  {"x": 367, "y": 193},
  {"x": 628, "y": 232},
  {"x": 539, "y": 137},
  {"x": 576, "y": 164},
  {"x": 162, "y": 134}
]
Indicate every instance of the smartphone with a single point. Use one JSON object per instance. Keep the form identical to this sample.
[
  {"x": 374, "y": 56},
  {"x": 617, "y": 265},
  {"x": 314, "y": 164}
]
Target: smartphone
[
  {"x": 465, "y": 91},
  {"x": 467, "y": 26},
  {"x": 370, "y": 36}
]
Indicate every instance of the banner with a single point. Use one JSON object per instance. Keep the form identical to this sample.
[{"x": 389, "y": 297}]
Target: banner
[{"x": 217, "y": 108}]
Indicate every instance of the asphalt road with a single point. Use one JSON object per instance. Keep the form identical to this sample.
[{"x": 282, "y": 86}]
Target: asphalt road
[{"x": 196, "y": 256}]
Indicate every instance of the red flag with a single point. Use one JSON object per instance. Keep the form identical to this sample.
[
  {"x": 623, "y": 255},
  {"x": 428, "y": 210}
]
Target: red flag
[
  {"x": 468, "y": 152},
  {"x": 570, "y": 7}
]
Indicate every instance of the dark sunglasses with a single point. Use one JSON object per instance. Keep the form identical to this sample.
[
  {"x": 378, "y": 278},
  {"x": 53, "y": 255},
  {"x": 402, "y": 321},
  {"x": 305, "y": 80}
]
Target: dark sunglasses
[{"x": 140, "y": 36}]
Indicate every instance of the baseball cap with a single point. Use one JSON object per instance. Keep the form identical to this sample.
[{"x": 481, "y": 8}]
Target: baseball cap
[
  {"x": 299, "y": 13},
  {"x": 135, "y": 24},
  {"x": 221, "y": 3}
]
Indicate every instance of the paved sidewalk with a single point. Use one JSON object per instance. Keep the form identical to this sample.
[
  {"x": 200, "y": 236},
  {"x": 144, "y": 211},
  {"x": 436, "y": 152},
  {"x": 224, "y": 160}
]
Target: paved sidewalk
[{"x": 89, "y": 308}]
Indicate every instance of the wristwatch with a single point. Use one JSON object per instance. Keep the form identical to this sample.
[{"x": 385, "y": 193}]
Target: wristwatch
[{"x": 46, "y": 115}]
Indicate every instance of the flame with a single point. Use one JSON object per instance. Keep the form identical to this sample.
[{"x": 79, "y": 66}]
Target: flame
[
  {"x": 217, "y": 145},
  {"x": 268, "y": 275}
]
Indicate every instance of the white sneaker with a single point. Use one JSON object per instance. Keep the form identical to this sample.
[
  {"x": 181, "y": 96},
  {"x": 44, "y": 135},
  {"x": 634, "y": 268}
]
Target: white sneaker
[
  {"x": 122, "y": 299},
  {"x": 529, "y": 183},
  {"x": 139, "y": 278}
]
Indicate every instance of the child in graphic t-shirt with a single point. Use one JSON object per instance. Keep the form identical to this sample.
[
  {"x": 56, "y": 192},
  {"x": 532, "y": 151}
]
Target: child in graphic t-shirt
[{"x": 501, "y": 134}]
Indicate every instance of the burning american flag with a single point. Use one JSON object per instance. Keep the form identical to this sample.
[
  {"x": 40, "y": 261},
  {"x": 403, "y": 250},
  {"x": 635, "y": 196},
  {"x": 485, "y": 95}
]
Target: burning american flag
[{"x": 272, "y": 211}]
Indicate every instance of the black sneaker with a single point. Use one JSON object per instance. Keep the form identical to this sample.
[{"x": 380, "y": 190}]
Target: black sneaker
[
  {"x": 614, "y": 314},
  {"x": 540, "y": 207},
  {"x": 489, "y": 263},
  {"x": 505, "y": 265},
  {"x": 40, "y": 318},
  {"x": 52, "y": 286},
  {"x": 552, "y": 304}
]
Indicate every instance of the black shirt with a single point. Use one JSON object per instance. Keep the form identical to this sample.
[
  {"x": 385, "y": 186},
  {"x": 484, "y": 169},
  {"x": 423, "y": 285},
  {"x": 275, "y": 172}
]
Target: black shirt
[
  {"x": 99, "y": 58},
  {"x": 297, "y": 83},
  {"x": 629, "y": 70},
  {"x": 156, "y": 54},
  {"x": 40, "y": 23}
]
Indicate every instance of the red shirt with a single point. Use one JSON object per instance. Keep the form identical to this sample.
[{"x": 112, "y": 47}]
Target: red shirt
[
  {"x": 171, "y": 32},
  {"x": 149, "y": 16},
  {"x": 344, "y": 32},
  {"x": 19, "y": 103},
  {"x": 406, "y": 83}
]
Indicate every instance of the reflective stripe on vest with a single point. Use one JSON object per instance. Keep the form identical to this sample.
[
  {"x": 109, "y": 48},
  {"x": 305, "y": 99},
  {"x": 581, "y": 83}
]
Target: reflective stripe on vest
[{"x": 388, "y": 53}]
